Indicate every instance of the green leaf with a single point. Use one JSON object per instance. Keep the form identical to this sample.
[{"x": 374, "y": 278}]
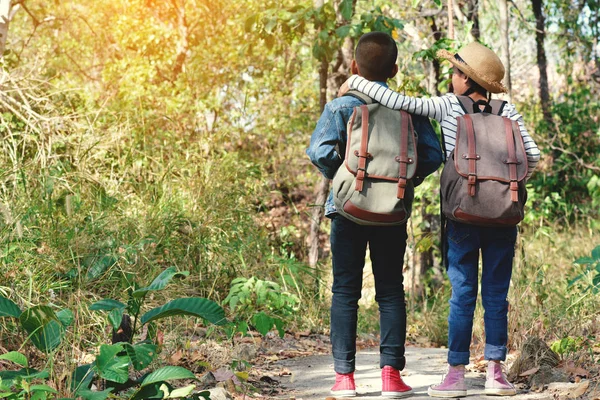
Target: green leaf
[
  {"x": 8, "y": 308},
  {"x": 107, "y": 353},
  {"x": 167, "y": 374},
  {"x": 346, "y": 9},
  {"x": 182, "y": 392},
  {"x": 154, "y": 391},
  {"x": 24, "y": 373},
  {"x": 141, "y": 355},
  {"x": 596, "y": 253},
  {"x": 262, "y": 322},
  {"x": 82, "y": 377},
  {"x": 87, "y": 394},
  {"x": 343, "y": 31},
  {"x": 115, "y": 317},
  {"x": 584, "y": 260},
  {"x": 195, "y": 306},
  {"x": 107, "y": 305},
  {"x": 15, "y": 357},
  {"x": 97, "y": 265},
  {"x": 65, "y": 317},
  {"x": 42, "y": 388},
  {"x": 44, "y": 328},
  {"x": 161, "y": 281},
  {"x": 116, "y": 370}
]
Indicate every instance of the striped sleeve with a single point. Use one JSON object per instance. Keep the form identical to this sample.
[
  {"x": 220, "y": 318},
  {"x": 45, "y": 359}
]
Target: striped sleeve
[
  {"x": 434, "y": 107},
  {"x": 533, "y": 152}
]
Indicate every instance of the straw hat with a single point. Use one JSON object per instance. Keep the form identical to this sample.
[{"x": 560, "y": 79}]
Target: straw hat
[{"x": 480, "y": 64}]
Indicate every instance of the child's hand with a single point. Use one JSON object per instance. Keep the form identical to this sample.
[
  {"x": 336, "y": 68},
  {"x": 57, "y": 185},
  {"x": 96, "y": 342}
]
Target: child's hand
[{"x": 344, "y": 88}]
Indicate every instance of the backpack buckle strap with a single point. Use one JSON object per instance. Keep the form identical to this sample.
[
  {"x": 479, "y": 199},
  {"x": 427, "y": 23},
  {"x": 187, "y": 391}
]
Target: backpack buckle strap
[
  {"x": 514, "y": 191},
  {"x": 360, "y": 178},
  {"x": 363, "y": 154},
  {"x": 401, "y": 188},
  {"x": 472, "y": 180},
  {"x": 511, "y": 161}
]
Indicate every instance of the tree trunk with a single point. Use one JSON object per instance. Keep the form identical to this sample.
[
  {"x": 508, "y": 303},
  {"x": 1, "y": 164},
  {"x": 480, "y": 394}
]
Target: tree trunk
[
  {"x": 4, "y": 20},
  {"x": 540, "y": 36},
  {"x": 450, "y": 20},
  {"x": 505, "y": 45}
]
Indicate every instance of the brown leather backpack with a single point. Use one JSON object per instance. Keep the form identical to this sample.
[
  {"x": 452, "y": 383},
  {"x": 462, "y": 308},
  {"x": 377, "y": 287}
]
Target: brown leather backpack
[{"x": 483, "y": 180}]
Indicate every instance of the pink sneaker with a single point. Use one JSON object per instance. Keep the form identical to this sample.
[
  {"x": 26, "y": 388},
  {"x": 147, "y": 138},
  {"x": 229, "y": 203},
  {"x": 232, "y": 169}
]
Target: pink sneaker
[
  {"x": 344, "y": 385},
  {"x": 496, "y": 383},
  {"x": 453, "y": 384},
  {"x": 392, "y": 385}
]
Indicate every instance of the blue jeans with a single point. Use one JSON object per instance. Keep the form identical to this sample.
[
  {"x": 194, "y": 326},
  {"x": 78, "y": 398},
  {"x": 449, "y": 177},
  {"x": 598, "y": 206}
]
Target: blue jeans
[
  {"x": 497, "y": 247},
  {"x": 348, "y": 247}
]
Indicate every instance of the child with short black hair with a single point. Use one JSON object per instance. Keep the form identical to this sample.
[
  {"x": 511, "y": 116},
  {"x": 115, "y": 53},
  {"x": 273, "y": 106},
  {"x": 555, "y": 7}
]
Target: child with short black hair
[{"x": 375, "y": 58}]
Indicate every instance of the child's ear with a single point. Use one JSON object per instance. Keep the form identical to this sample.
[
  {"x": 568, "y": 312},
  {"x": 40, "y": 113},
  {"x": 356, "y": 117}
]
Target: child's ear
[
  {"x": 394, "y": 71},
  {"x": 354, "y": 68}
]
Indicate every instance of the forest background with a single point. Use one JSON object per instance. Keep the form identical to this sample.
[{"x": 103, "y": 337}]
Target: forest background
[{"x": 145, "y": 138}]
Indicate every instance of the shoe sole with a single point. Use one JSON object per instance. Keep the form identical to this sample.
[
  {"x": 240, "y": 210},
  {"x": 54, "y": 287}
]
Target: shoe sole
[
  {"x": 446, "y": 393},
  {"x": 343, "y": 393},
  {"x": 396, "y": 395},
  {"x": 500, "y": 392}
]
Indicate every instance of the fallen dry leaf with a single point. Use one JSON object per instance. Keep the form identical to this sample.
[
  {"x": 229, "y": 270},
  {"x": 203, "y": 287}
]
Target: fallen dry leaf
[{"x": 530, "y": 371}]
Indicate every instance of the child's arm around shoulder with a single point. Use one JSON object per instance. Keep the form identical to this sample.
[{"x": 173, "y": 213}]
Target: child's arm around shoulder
[
  {"x": 438, "y": 107},
  {"x": 531, "y": 148},
  {"x": 329, "y": 137}
]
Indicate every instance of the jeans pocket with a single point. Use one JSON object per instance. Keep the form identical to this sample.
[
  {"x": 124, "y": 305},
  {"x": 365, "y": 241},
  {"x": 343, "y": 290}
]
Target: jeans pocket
[{"x": 457, "y": 232}]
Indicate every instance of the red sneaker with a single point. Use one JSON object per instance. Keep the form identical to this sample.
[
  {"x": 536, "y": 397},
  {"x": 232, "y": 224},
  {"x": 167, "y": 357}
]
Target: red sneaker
[
  {"x": 392, "y": 385},
  {"x": 344, "y": 385}
]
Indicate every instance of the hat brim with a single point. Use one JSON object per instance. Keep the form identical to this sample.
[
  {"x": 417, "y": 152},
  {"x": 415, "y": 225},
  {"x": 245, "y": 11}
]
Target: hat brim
[{"x": 486, "y": 83}]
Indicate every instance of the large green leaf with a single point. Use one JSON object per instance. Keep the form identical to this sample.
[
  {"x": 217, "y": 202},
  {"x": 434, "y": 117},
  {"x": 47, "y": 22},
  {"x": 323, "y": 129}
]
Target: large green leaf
[
  {"x": 167, "y": 374},
  {"x": 153, "y": 391},
  {"x": 8, "y": 308},
  {"x": 107, "y": 305},
  {"x": 87, "y": 394},
  {"x": 15, "y": 357},
  {"x": 161, "y": 281},
  {"x": 82, "y": 377},
  {"x": 24, "y": 373},
  {"x": 44, "y": 328},
  {"x": 195, "y": 306},
  {"x": 141, "y": 355},
  {"x": 65, "y": 317},
  {"x": 116, "y": 370},
  {"x": 262, "y": 322}
]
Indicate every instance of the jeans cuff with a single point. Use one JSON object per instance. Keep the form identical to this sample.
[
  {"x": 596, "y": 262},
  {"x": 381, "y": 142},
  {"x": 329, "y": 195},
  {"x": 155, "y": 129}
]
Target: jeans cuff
[
  {"x": 458, "y": 357},
  {"x": 494, "y": 352},
  {"x": 343, "y": 366},
  {"x": 395, "y": 362}
]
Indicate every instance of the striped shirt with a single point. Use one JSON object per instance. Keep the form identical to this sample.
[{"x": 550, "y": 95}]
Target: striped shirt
[{"x": 444, "y": 109}]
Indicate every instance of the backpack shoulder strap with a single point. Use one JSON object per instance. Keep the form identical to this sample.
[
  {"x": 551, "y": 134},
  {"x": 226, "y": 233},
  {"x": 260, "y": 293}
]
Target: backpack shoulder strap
[
  {"x": 466, "y": 103},
  {"x": 497, "y": 106},
  {"x": 360, "y": 96}
]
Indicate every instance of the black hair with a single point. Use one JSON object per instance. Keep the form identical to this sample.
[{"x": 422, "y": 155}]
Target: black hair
[
  {"x": 376, "y": 54},
  {"x": 473, "y": 87}
]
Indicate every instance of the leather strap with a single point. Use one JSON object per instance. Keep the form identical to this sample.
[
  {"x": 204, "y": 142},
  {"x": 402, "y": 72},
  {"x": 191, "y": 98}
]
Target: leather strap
[
  {"x": 471, "y": 155},
  {"x": 363, "y": 155},
  {"x": 512, "y": 160},
  {"x": 403, "y": 159}
]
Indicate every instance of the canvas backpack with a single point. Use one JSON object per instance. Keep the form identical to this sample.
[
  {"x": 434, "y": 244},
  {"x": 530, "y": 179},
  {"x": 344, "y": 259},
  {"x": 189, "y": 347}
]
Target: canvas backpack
[
  {"x": 373, "y": 186},
  {"x": 483, "y": 181}
]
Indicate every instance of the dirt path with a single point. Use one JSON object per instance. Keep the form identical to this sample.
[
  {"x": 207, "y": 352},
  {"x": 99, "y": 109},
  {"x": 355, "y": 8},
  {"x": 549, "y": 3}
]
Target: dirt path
[{"x": 312, "y": 377}]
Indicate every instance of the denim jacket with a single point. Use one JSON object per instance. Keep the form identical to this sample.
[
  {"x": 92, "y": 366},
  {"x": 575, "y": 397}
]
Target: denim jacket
[{"x": 328, "y": 142}]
